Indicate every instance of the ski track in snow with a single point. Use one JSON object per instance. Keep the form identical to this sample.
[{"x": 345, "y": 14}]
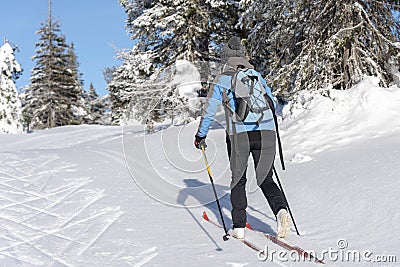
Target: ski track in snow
[
  {"x": 48, "y": 215},
  {"x": 143, "y": 257}
]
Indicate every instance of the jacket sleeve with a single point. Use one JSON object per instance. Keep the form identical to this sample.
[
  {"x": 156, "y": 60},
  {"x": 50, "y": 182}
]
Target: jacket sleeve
[
  {"x": 214, "y": 100},
  {"x": 268, "y": 90}
]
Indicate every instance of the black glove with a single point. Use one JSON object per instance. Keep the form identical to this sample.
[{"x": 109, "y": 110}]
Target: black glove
[{"x": 200, "y": 142}]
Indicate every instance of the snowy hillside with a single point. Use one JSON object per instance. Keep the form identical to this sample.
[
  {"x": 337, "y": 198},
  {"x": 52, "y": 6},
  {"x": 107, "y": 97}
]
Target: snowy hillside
[{"x": 113, "y": 196}]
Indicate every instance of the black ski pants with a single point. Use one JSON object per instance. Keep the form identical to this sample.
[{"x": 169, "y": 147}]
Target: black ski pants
[{"x": 262, "y": 146}]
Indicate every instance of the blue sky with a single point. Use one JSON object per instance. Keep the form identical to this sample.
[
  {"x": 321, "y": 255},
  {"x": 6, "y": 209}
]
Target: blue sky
[{"x": 94, "y": 26}]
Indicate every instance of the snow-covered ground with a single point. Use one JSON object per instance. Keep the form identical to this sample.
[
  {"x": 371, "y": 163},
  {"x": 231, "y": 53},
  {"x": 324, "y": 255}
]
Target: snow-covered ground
[{"x": 114, "y": 196}]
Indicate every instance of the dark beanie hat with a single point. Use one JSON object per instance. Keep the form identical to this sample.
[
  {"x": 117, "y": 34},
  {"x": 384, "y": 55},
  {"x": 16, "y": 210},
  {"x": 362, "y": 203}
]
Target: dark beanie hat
[{"x": 233, "y": 48}]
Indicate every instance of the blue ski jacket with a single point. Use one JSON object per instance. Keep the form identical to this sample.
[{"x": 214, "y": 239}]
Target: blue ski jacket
[{"x": 216, "y": 97}]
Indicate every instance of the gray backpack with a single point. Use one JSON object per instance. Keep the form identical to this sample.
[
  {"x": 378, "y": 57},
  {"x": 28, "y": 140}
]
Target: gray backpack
[{"x": 251, "y": 100}]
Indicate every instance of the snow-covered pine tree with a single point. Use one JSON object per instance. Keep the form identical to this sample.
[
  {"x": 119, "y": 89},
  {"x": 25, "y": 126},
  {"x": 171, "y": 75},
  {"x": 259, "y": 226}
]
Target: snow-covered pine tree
[
  {"x": 167, "y": 31},
  {"x": 266, "y": 23},
  {"x": 172, "y": 29},
  {"x": 54, "y": 95},
  {"x": 132, "y": 89},
  {"x": 10, "y": 105},
  {"x": 73, "y": 85},
  {"x": 106, "y": 118},
  {"x": 224, "y": 18},
  {"x": 108, "y": 73},
  {"x": 95, "y": 106},
  {"x": 323, "y": 44}
]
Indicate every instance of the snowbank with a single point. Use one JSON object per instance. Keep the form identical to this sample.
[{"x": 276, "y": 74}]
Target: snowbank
[{"x": 313, "y": 123}]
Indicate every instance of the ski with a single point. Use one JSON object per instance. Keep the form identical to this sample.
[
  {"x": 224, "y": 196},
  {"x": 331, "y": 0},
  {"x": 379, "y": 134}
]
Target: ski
[
  {"x": 247, "y": 243},
  {"x": 286, "y": 245}
]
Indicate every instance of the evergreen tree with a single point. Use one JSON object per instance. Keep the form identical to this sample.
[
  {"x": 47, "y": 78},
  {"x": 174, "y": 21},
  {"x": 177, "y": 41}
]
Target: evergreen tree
[
  {"x": 168, "y": 31},
  {"x": 108, "y": 73},
  {"x": 73, "y": 85},
  {"x": 10, "y": 105},
  {"x": 132, "y": 89},
  {"x": 96, "y": 107},
  {"x": 323, "y": 44},
  {"x": 106, "y": 118},
  {"x": 177, "y": 30},
  {"x": 54, "y": 97},
  {"x": 224, "y": 23}
]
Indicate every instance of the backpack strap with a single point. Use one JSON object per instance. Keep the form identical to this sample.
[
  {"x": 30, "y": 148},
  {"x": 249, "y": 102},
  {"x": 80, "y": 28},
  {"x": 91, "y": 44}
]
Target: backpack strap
[
  {"x": 255, "y": 80},
  {"x": 229, "y": 117}
]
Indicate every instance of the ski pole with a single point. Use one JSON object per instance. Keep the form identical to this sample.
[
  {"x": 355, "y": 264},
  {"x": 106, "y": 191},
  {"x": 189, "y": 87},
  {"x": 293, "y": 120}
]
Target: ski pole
[
  {"x": 279, "y": 141},
  {"x": 226, "y": 236},
  {"x": 272, "y": 106},
  {"x": 283, "y": 193}
]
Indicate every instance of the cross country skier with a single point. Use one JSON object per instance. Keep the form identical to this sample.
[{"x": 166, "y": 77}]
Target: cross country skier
[{"x": 243, "y": 138}]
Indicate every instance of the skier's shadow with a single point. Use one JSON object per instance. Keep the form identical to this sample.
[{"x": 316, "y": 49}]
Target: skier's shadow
[{"x": 203, "y": 194}]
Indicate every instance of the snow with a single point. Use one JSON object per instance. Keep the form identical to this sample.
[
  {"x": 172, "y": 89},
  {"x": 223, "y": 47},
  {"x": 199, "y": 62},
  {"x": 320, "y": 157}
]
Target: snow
[
  {"x": 115, "y": 196},
  {"x": 365, "y": 111},
  {"x": 78, "y": 111},
  {"x": 187, "y": 80},
  {"x": 10, "y": 113},
  {"x": 186, "y": 73}
]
